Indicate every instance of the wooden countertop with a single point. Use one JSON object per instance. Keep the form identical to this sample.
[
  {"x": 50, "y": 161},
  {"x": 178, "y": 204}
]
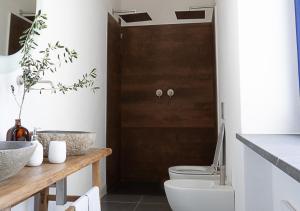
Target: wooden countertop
[{"x": 31, "y": 180}]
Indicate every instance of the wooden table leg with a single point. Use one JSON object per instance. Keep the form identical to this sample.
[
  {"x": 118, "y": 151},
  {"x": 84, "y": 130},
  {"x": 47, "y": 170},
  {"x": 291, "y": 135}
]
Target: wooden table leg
[
  {"x": 71, "y": 209},
  {"x": 96, "y": 174},
  {"x": 44, "y": 199}
]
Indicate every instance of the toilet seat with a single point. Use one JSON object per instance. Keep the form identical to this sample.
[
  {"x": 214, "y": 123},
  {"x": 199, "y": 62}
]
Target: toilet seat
[{"x": 192, "y": 170}]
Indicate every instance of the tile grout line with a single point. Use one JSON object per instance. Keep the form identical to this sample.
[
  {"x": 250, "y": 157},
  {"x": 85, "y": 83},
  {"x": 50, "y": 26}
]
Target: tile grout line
[
  {"x": 156, "y": 203},
  {"x": 139, "y": 202},
  {"x": 119, "y": 202}
]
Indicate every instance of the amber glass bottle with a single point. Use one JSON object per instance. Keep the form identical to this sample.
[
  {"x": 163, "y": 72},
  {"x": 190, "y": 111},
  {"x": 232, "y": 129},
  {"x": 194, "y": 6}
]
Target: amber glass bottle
[{"x": 18, "y": 133}]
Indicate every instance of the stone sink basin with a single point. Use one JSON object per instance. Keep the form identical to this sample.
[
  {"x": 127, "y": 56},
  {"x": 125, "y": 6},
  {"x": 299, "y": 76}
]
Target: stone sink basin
[
  {"x": 14, "y": 155},
  {"x": 78, "y": 142}
]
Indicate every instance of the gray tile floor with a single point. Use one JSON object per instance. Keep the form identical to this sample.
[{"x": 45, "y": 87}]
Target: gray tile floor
[{"x": 119, "y": 202}]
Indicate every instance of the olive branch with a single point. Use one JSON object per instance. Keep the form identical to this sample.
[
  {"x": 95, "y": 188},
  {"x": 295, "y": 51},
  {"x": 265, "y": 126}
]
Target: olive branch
[{"x": 50, "y": 59}]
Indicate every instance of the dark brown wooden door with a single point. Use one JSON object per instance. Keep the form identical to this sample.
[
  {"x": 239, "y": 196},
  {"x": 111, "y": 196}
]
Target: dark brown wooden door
[
  {"x": 113, "y": 102},
  {"x": 161, "y": 132}
]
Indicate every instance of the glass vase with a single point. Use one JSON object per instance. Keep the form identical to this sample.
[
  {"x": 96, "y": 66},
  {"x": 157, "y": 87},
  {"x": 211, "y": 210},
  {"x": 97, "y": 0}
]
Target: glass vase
[{"x": 18, "y": 132}]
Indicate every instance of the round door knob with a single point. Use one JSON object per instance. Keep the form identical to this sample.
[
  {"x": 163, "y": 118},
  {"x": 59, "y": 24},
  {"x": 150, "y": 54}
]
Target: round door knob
[
  {"x": 159, "y": 93},
  {"x": 170, "y": 92}
]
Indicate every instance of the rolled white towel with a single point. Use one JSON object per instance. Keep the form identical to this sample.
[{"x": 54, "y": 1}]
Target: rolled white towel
[
  {"x": 93, "y": 199},
  {"x": 81, "y": 204}
]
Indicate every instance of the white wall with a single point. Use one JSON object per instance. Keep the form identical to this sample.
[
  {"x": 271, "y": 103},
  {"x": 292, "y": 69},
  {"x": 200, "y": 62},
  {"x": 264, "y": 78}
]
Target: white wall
[
  {"x": 268, "y": 59},
  {"x": 81, "y": 25},
  {"x": 269, "y": 87},
  {"x": 163, "y": 12},
  {"x": 228, "y": 65},
  {"x": 8, "y": 6},
  {"x": 258, "y": 81},
  {"x": 269, "y": 90}
]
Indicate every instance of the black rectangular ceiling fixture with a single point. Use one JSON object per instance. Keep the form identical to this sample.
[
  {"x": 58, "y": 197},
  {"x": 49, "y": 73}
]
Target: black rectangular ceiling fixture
[
  {"x": 196, "y": 14},
  {"x": 136, "y": 17}
]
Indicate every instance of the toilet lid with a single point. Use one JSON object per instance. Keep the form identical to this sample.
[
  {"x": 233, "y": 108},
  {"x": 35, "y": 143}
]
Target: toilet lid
[
  {"x": 219, "y": 157},
  {"x": 205, "y": 170},
  {"x": 191, "y": 170}
]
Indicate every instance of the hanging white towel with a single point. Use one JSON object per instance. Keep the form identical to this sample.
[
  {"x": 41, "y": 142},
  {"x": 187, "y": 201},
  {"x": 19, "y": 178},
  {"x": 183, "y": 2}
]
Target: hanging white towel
[
  {"x": 81, "y": 204},
  {"x": 93, "y": 199}
]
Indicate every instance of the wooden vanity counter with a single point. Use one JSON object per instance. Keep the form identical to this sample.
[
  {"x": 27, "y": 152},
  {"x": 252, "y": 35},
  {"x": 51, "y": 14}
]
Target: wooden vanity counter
[{"x": 32, "y": 180}]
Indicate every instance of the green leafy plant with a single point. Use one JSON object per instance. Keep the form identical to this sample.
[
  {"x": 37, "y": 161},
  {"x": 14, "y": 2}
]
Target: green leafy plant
[{"x": 35, "y": 64}]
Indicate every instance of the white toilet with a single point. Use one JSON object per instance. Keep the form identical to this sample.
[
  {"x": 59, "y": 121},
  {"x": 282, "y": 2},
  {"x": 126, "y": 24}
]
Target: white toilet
[
  {"x": 199, "y": 195},
  {"x": 197, "y": 188},
  {"x": 201, "y": 172}
]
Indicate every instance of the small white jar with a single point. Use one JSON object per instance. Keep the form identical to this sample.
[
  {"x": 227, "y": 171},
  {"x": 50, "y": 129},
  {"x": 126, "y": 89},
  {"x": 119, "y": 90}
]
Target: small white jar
[
  {"x": 57, "y": 152},
  {"x": 37, "y": 156}
]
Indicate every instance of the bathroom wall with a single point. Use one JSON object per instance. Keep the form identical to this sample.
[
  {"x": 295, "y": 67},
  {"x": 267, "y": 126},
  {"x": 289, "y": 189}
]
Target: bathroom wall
[
  {"x": 12, "y": 6},
  {"x": 268, "y": 61},
  {"x": 81, "y": 25},
  {"x": 269, "y": 91},
  {"x": 258, "y": 80},
  {"x": 228, "y": 66}
]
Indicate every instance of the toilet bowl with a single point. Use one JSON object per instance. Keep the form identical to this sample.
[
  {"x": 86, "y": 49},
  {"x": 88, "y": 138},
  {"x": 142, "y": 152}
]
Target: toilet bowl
[
  {"x": 201, "y": 172},
  {"x": 199, "y": 195}
]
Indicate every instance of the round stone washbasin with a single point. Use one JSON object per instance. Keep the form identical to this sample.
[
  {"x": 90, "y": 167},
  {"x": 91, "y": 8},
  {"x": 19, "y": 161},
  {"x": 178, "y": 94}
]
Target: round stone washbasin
[
  {"x": 13, "y": 157},
  {"x": 78, "y": 142}
]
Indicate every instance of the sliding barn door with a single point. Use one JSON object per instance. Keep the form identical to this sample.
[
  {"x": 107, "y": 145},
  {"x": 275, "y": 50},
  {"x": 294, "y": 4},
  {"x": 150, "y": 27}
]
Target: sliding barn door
[{"x": 159, "y": 132}]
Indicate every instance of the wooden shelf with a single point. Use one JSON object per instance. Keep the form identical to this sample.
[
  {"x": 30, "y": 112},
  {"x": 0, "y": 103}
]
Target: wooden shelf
[{"x": 31, "y": 180}]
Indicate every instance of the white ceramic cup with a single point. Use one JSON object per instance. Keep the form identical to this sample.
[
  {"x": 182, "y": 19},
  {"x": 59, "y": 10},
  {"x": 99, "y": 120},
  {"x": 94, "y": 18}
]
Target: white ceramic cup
[{"x": 57, "y": 152}]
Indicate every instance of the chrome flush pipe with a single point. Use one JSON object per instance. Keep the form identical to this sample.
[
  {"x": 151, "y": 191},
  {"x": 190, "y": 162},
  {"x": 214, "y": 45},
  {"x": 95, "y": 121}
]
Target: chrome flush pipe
[
  {"x": 223, "y": 160},
  {"x": 222, "y": 175}
]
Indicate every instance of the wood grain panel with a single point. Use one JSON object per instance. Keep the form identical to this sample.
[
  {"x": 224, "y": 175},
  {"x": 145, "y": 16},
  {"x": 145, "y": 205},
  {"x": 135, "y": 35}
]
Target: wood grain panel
[
  {"x": 113, "y": 101},
  {"x": 180, "y": 57},
  {"x": 149, "y": 152},
  {"x": 161, "y": 132}
]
